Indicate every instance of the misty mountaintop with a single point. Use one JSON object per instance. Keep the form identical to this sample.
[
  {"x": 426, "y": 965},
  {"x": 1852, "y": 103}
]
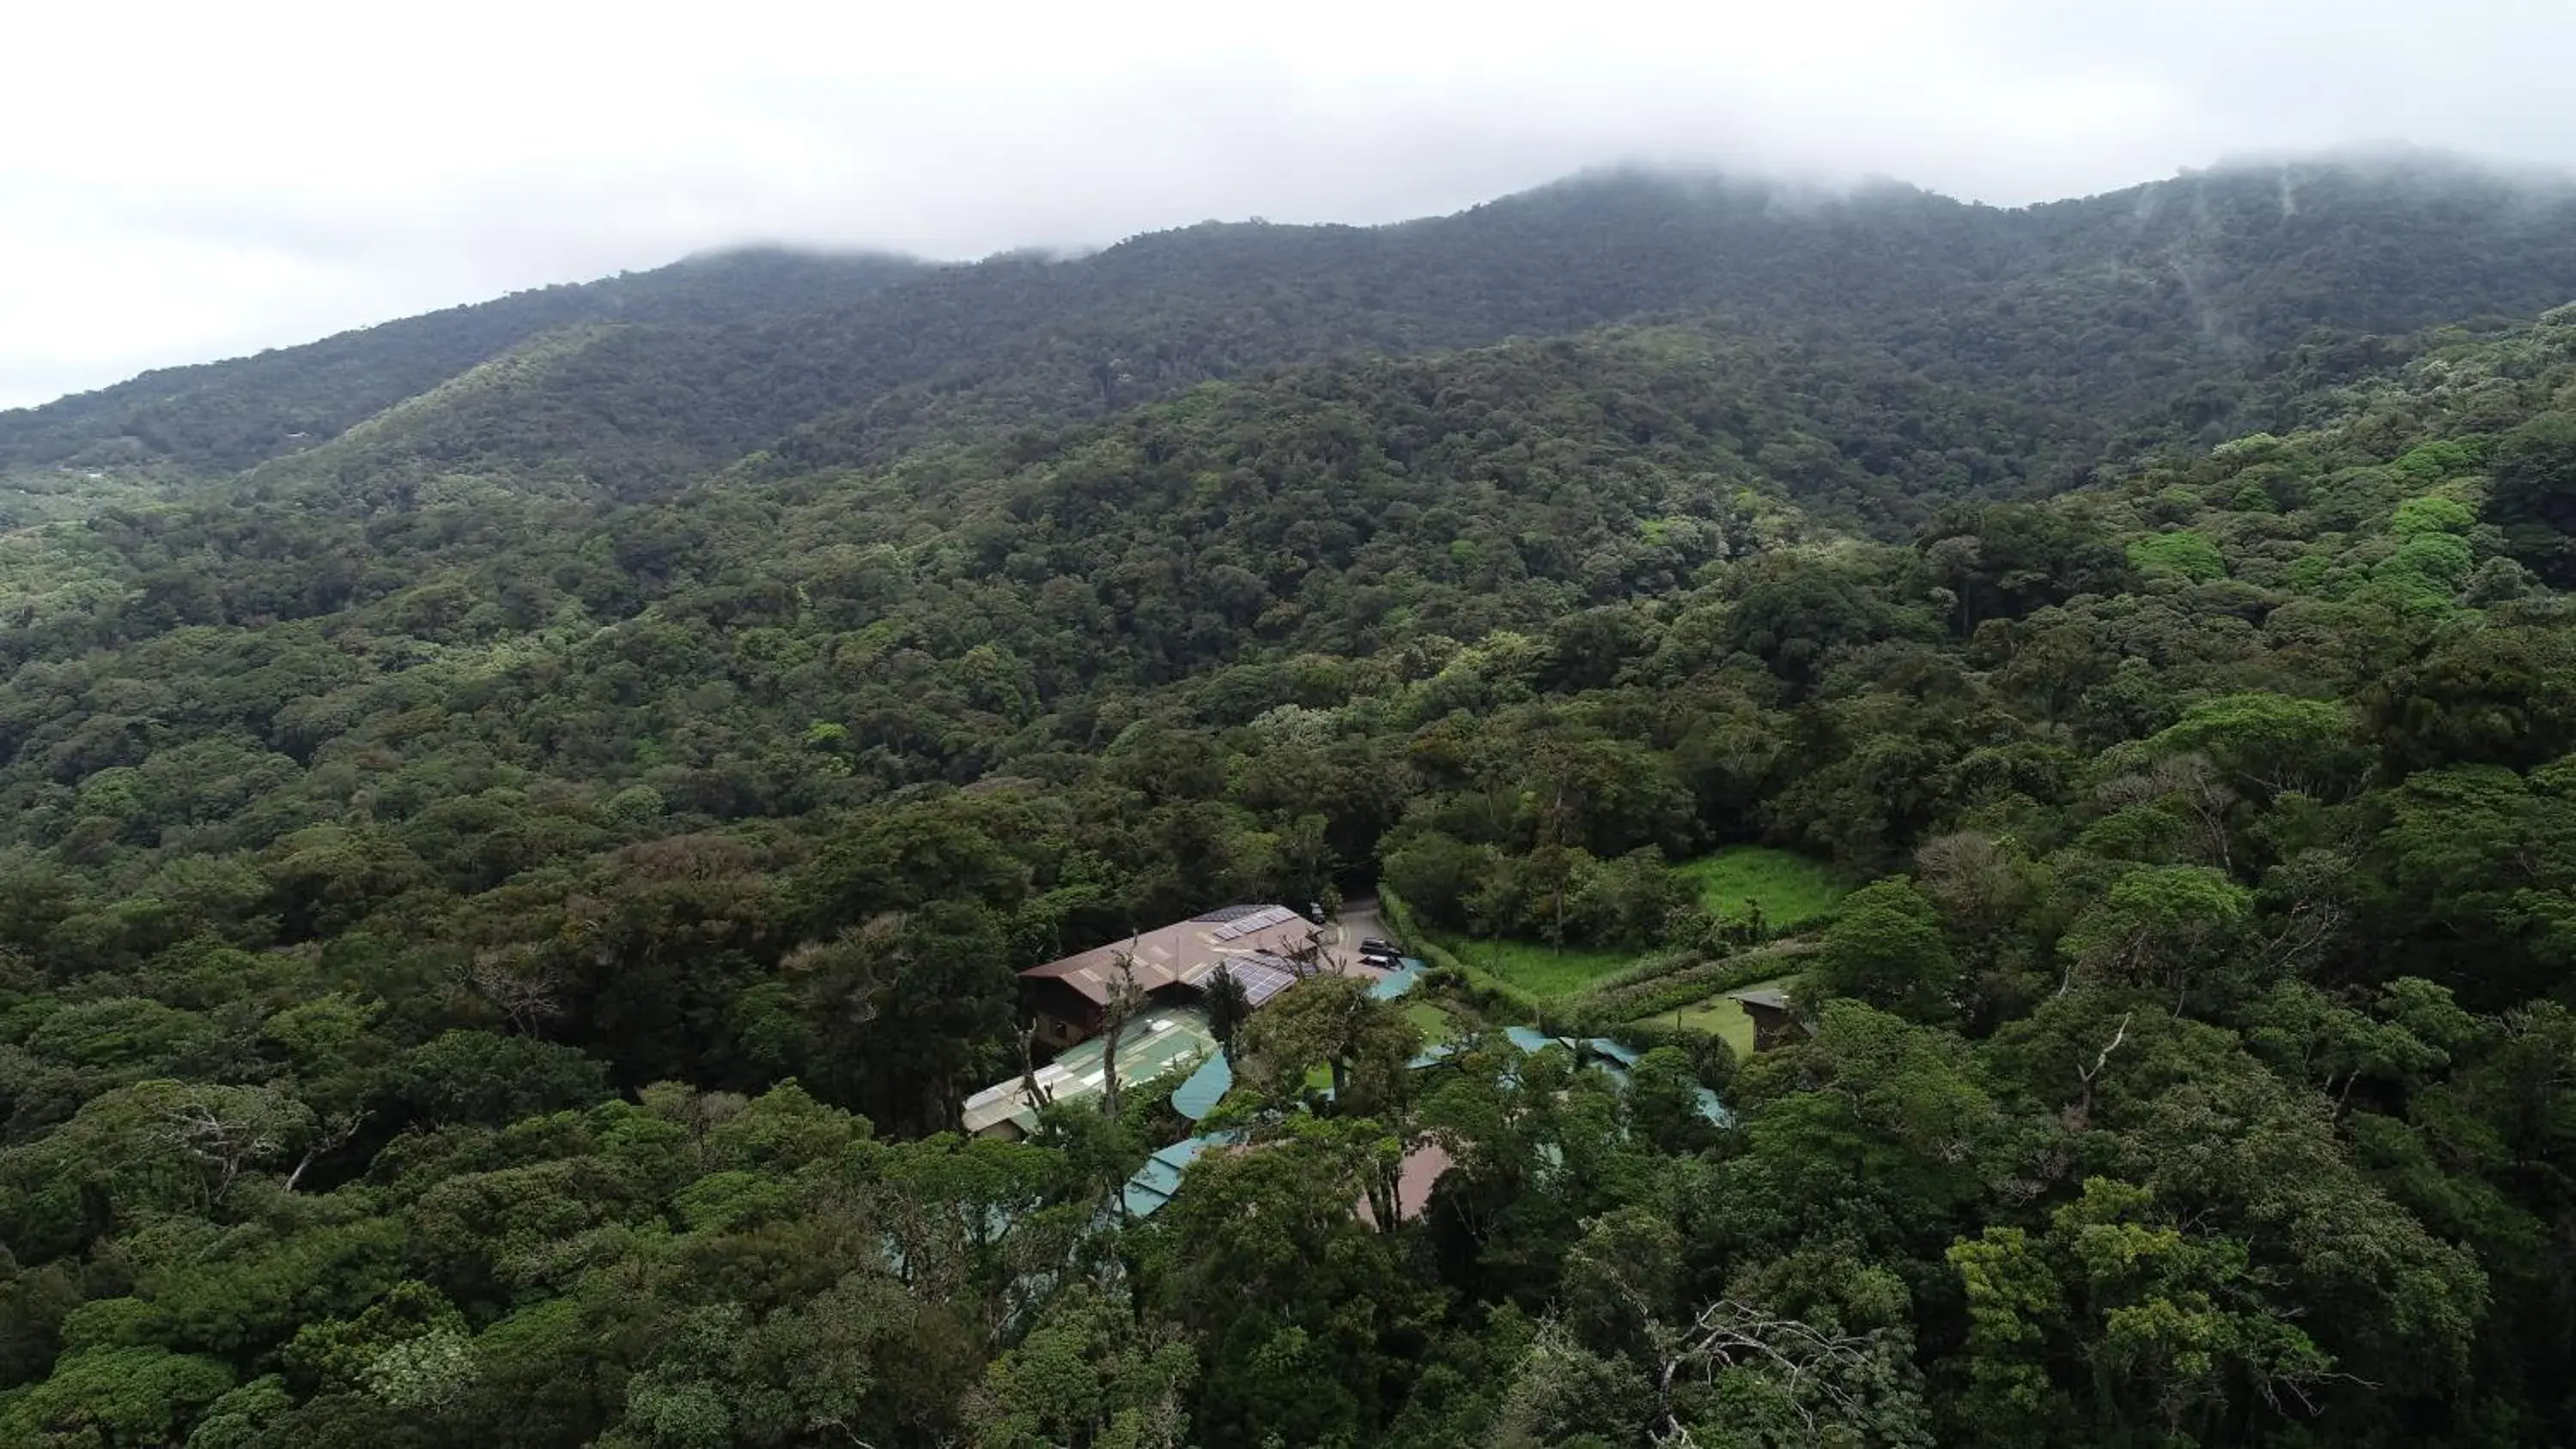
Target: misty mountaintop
[{"x": 2155, "y": 311}]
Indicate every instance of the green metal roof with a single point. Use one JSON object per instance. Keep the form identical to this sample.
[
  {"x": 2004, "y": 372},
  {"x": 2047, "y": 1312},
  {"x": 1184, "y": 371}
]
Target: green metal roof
[{"x": 1152, "y": 1043}]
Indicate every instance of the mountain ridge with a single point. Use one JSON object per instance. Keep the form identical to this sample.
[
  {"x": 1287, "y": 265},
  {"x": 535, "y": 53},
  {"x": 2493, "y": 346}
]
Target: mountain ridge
[
  {"x": 698, "y": 288},
  {"x": 2111, "y": 306}
]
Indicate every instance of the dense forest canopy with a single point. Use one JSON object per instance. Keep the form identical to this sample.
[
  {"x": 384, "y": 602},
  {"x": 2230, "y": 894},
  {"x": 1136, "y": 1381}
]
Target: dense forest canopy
[
  {"x": 2171, "y": 301},
  {"x": 503, "y": 896}
]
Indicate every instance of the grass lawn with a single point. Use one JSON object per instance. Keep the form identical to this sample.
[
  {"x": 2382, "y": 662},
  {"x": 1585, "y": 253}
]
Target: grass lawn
[
  {"x": 1722, "y": 1017},
  {"x": 1792, "y": 888},
  {"x": 1542, "y": 970},
  {"x": 1434, "y": 1023}
]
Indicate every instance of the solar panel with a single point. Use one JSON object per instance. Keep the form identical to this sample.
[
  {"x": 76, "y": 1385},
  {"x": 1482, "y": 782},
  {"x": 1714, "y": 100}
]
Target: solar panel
[
  {"x": 1228, "y": 913},
  {"x": 1261, "y": 980}
]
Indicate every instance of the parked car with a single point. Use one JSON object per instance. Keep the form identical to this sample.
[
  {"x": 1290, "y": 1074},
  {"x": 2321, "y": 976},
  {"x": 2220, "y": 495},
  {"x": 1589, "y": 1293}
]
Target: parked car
[{"x": 1372, "y": 943}]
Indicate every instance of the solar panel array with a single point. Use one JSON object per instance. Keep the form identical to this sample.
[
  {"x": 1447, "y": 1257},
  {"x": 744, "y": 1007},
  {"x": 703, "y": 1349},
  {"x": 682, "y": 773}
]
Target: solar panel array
[
  {"x": 1260, "y": 920},
  {"x": 1263, "y": 977}
]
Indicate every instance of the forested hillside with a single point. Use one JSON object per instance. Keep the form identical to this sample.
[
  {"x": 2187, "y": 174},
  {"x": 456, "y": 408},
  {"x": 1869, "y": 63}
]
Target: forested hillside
[
  {"x": 217, "y": 417},
  {"x": 2160, "y": 309},
  {"x": 500, "y": 906}
]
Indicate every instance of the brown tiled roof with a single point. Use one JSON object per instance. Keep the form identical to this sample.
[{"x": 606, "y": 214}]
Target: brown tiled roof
[{"x": 1182, "y": 953}]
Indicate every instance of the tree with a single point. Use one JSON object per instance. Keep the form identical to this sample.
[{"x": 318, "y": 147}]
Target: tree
[
  {"x": 1333, "y": 1022},
  {"x": 242, "y": 1418},
  {"x": 1886, "y": 947},
  {"x": 227, "y": 1130},
  {"x": 135, "y": 1152},
  {"x": 115, "y": 1398},
  {"x": 1872, "y": 1128},
  {"x": 2270, "y": 744},
  {"x": 1664, "y": 1101},
  {"x": 2157, "y": 924},
  {"x": 2333, "y": 1047},
  {"x": 486, "y": 1077},
  {"x": 2476, "y": 864},
  {"x": 2181, "y": 554},
  {"x": 1125, "y": 1000},
  {"x": 340, "y": 1354},
  {"x": 1228, "y": 1006},
  {"x": 1306, "y": 1317},
  {"x": 1762, "y": 1378},
  {"x": 520, "y": 983},
  {"x": 2502, "y": 694},
  {"x": 1092, "y": 1372},
  {"x": 1305, "y": 850},
  {"x": 908, "y": 1013},
  {"x": 2226, "y": 1149},
  {"x": 2170, "y": 1333},
  {"x": 2534, "y": 493}
]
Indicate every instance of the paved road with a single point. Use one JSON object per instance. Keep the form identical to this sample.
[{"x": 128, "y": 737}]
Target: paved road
[{"x": 1359, "y": 921}]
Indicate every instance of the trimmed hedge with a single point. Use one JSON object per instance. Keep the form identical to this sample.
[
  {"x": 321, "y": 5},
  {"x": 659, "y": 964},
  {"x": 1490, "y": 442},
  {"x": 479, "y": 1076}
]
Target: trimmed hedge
[
  {"x": 1650, "y": 969},
  {"x": 1657, "y": 984},
  {"x": 1688, "y": 986}
]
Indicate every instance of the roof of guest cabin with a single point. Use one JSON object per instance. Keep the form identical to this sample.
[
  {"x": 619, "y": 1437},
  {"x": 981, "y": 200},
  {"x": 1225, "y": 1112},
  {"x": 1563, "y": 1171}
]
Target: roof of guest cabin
[{"x": 1184, "y": 953}]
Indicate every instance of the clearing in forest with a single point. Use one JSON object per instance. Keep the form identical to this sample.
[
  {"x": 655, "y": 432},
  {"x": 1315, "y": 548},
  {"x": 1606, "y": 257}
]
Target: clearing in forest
[
  {"x": 1544, "y": 971},
  {"x": 1435, "y": 1023},
  {"x": 1723, "y": 1017},
  {"x": 1791, "y": 889}
]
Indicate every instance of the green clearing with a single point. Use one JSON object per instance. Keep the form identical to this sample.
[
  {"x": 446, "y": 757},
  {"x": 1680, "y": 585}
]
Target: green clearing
[
  {"x": 1723, "y": 1017},
  {"x": 1720, "y": 1018},
  {"x": 1544, "y": 971},
  {"x": 1434, "y": 1023},
  {"x": 1791, "y": 888}
]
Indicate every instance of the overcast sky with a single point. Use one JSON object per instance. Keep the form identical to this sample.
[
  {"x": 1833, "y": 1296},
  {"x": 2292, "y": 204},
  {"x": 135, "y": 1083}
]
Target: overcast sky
[{"x": 185, "y": 181}]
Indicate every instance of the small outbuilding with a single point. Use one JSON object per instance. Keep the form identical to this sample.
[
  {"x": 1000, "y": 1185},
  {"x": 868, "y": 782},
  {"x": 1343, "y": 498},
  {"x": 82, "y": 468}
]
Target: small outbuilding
[{"x": 1774, "y": 1015}]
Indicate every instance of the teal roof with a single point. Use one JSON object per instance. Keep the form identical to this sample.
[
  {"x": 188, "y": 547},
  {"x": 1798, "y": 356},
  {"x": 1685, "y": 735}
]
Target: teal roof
[
  {"x": 1152, "y": 1043},
  {"x": 1160, "y": 1177},
  {"x": 1612, "y": 1057},
  {"x": 1619, "y": 1052},
  {"x": 1397, "y": 982},
  {"x": 1714, "y": 1109},
  {"x": 1207, "y": 1086}
]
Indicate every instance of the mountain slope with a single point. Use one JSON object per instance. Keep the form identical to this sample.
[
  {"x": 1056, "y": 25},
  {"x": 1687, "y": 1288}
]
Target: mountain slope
[
  {"x": 217, "y": 417},
  {"x": 2148, "y": 312},
  {"x": 2152, "y": 307}
]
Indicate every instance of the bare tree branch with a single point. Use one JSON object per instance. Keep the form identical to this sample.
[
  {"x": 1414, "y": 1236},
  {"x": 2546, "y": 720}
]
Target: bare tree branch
[
  {"x": 336, "y": 1132},
  {"x": 1731, "y": 1333}
]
